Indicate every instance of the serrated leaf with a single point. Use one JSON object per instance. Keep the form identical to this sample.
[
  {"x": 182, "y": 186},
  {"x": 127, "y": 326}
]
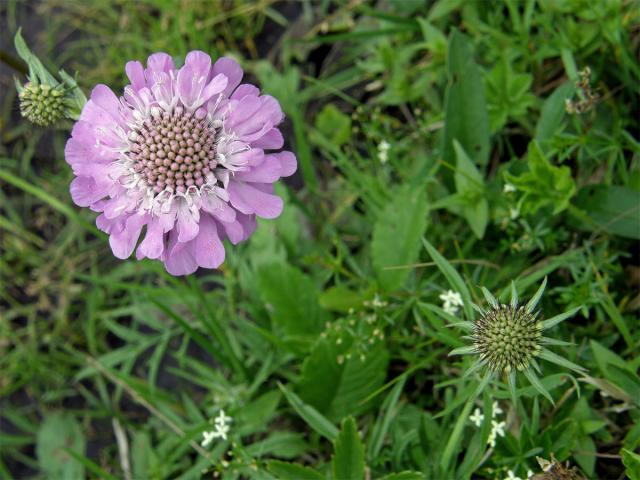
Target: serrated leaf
[
  {"x": 466, "y": 117},
  {"x": 348, "y": 460},
  {"x": 58, "y": 431},
  {"x": 292, "y": 298},
  {"x": 339, "y": 389},
  {"x": 396, "y": 237}
]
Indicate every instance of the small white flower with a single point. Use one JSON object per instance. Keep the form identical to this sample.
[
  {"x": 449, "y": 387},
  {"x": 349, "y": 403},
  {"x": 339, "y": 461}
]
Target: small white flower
[
  {"x": 477, "y": 418},
  {"x": 514, "y": 213},
  {"x": 498, "y": 428},
  {"x": 451, "y": 301},
  {"x": 508, "y": 188},
  {"x": 495, "y": 410},
  {"x": 220, "y": 429},
  {"x": 222, "y": 418},
  {"x": 512, "y": 476},
  {"x": 529, "y": 473},
  {"x": 208, "y": 438},
  {"x": 383, "y": 151},
  {"x": 491, "y": 440}
]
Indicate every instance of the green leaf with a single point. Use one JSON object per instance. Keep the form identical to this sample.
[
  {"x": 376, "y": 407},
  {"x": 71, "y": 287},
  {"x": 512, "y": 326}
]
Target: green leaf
[
  {"x": 37, "y": 72},
  {"x": 279, "y": 444},
  {"x": 587, "y": 460},
  {"x": 292, "y": 298},
  {"x": 339, "y": 389},
  {"x": 310, "y": 415},
  {"x": 292, "y": 471},
  {"x": 613, "y": 209},
  {"x": 631, "y": 462},
  {"x": 508, "y": 94},
  {"x": 544, "y": 184},
  {"x": 255, "y": 416},
  {"x": 466, "y": 118},
  {"x": 58, "y": 431},
  {"x": 396, "y": 237},
  {"x": 385, "y": 417},
  {"x": 470, "y": 187},
  {"x": 348, "y": 460},
  {"x": 334, "y": 125},
  {"x": 553, "y": 112},
  {"x": 535, "y": 382},
  {"x": 341, "y": 299}
]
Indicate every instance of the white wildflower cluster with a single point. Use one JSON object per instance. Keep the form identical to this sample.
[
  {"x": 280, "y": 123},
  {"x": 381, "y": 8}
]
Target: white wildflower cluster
[
  {"x": 497, "y": 427},
  {"x": 383, "y": 151},
  {"x": 451, "y": 301},
  {"x": 220, "y": 430}
]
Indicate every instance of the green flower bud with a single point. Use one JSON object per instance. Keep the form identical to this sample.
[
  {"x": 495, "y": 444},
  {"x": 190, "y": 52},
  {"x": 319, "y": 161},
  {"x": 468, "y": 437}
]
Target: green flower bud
[
  {"x": 45, "y": 100},
  {"x": 42, "y": 104}
]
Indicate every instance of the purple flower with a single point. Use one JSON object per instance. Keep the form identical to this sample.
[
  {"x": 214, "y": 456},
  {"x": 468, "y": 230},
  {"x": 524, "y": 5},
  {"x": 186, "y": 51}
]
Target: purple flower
[{"x": 187, "y": 153}]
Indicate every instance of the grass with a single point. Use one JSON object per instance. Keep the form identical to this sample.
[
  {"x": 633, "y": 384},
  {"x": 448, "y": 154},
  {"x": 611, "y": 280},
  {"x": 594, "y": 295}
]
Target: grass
[{"x": 324, "y": 337}]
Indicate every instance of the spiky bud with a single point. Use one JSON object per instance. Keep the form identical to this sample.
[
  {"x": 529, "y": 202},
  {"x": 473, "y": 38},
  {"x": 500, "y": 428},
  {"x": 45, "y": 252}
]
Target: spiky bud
[
  {"x": 507, "y": 337},
  {"x": 42, "y": 104}
]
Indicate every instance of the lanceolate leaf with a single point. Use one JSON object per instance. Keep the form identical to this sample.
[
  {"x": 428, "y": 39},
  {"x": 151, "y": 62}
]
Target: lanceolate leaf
[{"x": 466, "y": 118}]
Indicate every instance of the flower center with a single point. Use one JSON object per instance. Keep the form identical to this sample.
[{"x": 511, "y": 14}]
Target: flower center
[
  {"x": 507, "y": 337},
  {"x": 173, "y": 151}
]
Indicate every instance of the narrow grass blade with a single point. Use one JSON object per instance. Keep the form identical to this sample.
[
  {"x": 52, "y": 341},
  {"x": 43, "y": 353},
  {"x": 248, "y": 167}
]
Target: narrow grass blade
[{"x": 314, "y": 419}]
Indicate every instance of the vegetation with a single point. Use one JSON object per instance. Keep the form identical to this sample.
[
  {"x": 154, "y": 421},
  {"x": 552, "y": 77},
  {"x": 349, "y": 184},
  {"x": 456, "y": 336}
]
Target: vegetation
[{"x": 443, "y": 146}]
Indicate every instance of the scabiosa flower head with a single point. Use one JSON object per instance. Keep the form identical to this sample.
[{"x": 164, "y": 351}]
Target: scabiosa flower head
[
  {"x": 41, "y": 104},
  {"x": 508, "y": 338},
  {"x": 45, "y": 100},
  {"x": 188, "y": 154}
]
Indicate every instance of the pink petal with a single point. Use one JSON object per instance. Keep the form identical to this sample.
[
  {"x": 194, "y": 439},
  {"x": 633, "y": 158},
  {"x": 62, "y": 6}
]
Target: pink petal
[
  {"x": 234, "y": 230},
  {"x": 107, "y": 100},
  {"x": 135, "y": 72},
  {"x": 157, "y": 63},
  {"x": 268, "y": 171},
  {"x": 271, "y": 140},
  {"x": 217, "y": 85},
  {"x": 199, "y": 62},
  {"x": 85, "y": 191},
  {"x": 187, "y": 222},
  {"x": 288, "y": 163},
  {"x": 245, "y": 90},
  {"x": 110, "y": 226},
  {"x": 123, "y": 243},
  {"x": 248, "y": 223},
  {"x": 153, "y": 244},
  {"x": 230, "y": 68},
  {"x": 180, "y": 257},
  {"x": 248, "y": 199},
  {"x": 209, "y": 250}
]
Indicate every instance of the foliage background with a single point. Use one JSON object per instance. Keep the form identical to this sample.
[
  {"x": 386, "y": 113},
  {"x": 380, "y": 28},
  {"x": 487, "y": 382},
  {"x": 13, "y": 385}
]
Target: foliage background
[{"x": 322, "y": 354}]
